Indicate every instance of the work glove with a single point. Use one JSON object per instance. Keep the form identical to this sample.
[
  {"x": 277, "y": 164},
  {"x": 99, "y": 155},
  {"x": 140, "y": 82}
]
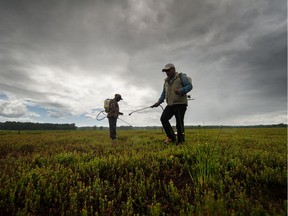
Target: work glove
[{"x": 156, "y": 104}]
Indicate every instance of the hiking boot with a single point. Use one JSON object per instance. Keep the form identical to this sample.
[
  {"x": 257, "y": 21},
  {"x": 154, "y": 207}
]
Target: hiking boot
[{"x": 168, "y": 140}]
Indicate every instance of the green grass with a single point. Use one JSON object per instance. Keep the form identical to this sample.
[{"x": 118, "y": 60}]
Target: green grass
[{"x": 215, "y": 172}]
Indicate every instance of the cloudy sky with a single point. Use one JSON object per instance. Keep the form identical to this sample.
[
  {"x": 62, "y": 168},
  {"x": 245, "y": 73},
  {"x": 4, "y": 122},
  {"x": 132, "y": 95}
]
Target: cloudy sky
[{"x": 60, "y": 59}]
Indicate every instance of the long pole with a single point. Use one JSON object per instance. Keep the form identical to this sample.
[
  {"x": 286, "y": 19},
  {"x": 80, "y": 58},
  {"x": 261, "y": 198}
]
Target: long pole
[{"x": 139, "y": 110}]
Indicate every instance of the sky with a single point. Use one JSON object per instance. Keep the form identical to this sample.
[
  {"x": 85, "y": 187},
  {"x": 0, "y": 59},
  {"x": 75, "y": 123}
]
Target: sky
[{"x": 60, "y": 59}]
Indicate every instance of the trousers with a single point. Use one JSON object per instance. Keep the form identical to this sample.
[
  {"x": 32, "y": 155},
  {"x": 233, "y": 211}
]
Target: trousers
[
  {"x": 179, "y": 112},
  {"x": 112, "y": 127}
]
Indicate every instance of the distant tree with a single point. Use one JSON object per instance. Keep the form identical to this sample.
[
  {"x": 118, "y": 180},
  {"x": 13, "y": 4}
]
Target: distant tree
[{"x": 35, "y": 126}]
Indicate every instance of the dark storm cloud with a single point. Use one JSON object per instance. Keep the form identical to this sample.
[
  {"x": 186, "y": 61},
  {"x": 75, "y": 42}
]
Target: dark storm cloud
[
  {"x": 58, "y": 53},
  {"x": 266, "y": 64}
]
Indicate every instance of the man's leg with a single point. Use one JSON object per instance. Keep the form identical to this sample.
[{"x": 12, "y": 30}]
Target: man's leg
[
  {"x": 112, "y": 127},
  {"x": 165, "y": 117},
  {"x": 179, "y": 115}
]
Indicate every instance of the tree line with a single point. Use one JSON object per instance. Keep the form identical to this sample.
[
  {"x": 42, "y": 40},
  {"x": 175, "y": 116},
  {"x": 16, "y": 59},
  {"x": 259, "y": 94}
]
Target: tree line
[
  {"x": 35, "y": 126},
  {"x": 8, "y": 125}
]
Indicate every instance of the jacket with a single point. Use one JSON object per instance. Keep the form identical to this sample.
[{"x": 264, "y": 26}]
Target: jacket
[
  {"x": 170, "y": 85},
  {"x": 113, "y": 109}
]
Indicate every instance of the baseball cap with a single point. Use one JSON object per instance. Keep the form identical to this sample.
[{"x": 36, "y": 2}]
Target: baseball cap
[
  {"x": 118, "y": 96},
  {"x": 168, "y": 66}
]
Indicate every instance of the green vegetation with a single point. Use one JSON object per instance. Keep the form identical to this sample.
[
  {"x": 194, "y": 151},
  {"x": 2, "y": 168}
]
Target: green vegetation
[{"x": 233, "y": 171}]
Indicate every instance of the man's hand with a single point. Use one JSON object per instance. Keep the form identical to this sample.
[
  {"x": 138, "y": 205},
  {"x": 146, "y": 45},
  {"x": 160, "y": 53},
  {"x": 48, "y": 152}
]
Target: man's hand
[
  {"x": 156, "y": 104},
  {"x": 177, "y": 91}
]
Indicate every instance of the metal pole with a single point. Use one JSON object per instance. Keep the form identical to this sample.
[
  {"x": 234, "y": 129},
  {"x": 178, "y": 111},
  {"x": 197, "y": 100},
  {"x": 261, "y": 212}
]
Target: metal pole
[{"x": 139, "y": 110}]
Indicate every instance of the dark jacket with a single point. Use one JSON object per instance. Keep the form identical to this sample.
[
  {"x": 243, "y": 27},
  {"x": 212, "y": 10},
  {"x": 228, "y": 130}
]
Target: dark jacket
[{"x": 113, "y": 109}]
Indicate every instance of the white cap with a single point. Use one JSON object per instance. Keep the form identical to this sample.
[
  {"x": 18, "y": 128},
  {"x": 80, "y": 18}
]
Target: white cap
[{"x": 168, "y": 66}]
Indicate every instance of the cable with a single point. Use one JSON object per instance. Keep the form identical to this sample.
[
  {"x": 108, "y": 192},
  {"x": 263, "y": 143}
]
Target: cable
[
  {"x": 100, "y": 118},
  {"x": 139, "y": 110},
  {"x": 101, "y": 115},
  {"x": 143, "y": 109}
]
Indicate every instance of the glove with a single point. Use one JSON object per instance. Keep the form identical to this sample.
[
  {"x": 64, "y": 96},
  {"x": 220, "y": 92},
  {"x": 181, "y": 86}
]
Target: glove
[{"x": 156, "y": 104}]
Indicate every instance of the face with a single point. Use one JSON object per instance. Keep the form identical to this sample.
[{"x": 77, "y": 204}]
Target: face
[{"x": 170, "y": 73}]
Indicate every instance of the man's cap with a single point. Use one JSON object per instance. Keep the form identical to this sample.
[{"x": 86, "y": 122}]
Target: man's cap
[
  {"x": 168, "y": 66},
  {"x": 118, "y": 96}
]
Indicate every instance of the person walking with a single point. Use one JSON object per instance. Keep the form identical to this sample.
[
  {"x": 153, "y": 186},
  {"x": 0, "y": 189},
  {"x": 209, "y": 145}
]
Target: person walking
[
  {"x": 176, "y": 86},
  {"x": 113, "y": 114}
]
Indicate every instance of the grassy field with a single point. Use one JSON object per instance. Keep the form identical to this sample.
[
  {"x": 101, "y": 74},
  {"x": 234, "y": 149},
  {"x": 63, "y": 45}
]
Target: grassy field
[{"x": 215, "y": 172}]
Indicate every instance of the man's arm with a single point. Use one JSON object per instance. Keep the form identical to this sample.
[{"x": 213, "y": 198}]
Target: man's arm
[
  {"x": 187, "y": 86},
  {"x": 161, "y": 99}
]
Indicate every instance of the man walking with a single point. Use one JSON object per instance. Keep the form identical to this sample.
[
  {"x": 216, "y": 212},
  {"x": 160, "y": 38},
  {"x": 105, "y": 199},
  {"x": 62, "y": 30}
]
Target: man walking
[
  {"x": 175, "y": 87},
  {"x": 113, "y": 114}
]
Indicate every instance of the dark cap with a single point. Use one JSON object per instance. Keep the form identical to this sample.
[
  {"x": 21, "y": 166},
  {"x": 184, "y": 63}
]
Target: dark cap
[{"x": 118, "y": 96}]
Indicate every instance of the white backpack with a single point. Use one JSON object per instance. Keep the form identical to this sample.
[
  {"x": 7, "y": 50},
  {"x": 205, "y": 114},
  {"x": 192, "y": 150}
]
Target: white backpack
[{"x": 106, "y": 105}]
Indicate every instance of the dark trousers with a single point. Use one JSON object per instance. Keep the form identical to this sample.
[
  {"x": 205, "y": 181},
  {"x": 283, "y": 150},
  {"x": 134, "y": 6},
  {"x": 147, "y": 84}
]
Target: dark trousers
[
  {"x": 179, "y": 112},
  {"x": 112, "y": 127}
]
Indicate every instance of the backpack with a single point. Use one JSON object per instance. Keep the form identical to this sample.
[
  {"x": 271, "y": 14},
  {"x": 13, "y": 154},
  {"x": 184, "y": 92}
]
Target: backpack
[{"x": 106, "y": 105}]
